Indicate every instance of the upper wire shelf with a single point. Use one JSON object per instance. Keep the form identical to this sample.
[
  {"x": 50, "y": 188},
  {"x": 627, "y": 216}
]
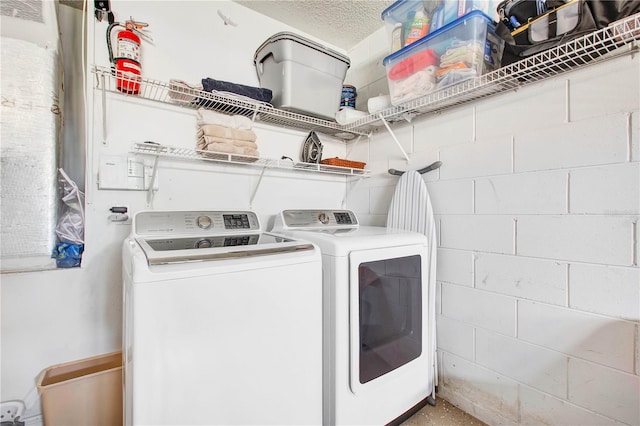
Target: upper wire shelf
[
  {"x": 617, "y": 39},
  {"x": 284, "y": 164},
  {"x": 185, "y": 96}
]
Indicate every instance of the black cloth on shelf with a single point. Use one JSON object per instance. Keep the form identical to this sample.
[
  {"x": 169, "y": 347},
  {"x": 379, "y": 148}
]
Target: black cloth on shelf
[{"x": 257, "y": 93}]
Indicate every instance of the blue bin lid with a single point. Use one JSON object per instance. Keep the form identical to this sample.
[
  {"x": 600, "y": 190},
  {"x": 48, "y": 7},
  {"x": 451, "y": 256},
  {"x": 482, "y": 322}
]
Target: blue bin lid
[
  {"x": 429, "y": 37},
  {"x": 398, "y": 9}
]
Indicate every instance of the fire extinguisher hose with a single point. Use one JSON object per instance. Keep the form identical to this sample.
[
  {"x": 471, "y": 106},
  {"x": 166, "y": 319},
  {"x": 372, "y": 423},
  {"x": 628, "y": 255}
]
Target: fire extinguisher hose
[{"x": 109, "y": 30}]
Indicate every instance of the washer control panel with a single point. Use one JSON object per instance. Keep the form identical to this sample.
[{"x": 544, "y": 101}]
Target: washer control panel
[
  {"x": 195, "y": 222},
  {"x": 316, "y": 219}
]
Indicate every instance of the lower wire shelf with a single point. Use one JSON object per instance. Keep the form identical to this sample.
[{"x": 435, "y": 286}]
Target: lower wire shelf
[{"x": 158, "y": 150}]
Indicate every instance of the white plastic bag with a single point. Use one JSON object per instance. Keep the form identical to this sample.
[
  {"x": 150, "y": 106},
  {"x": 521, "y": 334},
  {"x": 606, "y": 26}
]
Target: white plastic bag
[{"x": 70, "y": 228}]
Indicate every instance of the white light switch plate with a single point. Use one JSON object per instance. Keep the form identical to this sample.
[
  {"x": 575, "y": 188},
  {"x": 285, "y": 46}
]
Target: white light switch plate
[{"x": 125, "y": 172}]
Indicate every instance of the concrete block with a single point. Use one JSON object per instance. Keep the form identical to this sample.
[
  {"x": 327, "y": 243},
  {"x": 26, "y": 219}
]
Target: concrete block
[
  {"x": 591, "y": 337},
  {"x": 452, "y": 127},
  {"x": 523, "y": 277},
  {"x": 380, "y": 199},
  {"x": 417, "y": 161},
  {"x": 575, "y": 144},
  {"x": 455, "y": 266},
  {"x": 609, "y": 190},
  {"x": 455, "y": 337},
  {"x": 473, "y": 159},
  {"x": 485, "y": 388},
  {"x": 526, "y": 193},
  {"x": 494, "y": 234},
  {"x": 452, "y": 196},
  {"x": 384, "y": 147},
  {"x": 594, "y": 239},
  {"x": 532, "y": 365},
  {"x": 538, "y": 408},
  {"x": 358, "y": 149},
  {"x": 545, "y": 103},
  {"x": 636, "y": 249},
  {"x": 358, "y": 200},
  {"x": 479, "y": 308},
  {"x": 606, "y": 391},
  {"x": 637, "y": 349},
  {"x": 606, "y": 290},
  {"x": 592, "y": 93}
]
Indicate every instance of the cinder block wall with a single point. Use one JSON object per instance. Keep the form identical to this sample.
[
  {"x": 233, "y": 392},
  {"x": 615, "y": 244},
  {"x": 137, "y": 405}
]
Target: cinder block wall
[{"x": 537, "y": 205}]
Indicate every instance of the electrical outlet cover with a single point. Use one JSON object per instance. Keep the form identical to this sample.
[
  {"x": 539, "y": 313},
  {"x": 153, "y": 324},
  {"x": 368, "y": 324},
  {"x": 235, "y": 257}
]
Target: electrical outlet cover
[{"x": 10, "y": 410}]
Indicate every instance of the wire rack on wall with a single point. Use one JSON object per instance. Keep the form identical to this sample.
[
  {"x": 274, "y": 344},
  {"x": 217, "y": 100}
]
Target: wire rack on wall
[
  {"x": 620, "y": 38},
  {"x": 283, "y": 164},
  {"x": 181, "y": 94}
]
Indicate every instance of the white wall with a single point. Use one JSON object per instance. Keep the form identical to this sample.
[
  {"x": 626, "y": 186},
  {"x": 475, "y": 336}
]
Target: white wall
[
  {"x": 63, "y": 315},
  {"x": 537, "y": 205}
]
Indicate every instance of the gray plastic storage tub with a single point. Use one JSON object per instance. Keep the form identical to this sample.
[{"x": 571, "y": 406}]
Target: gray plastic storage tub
[{"x": 304, "y": 76}]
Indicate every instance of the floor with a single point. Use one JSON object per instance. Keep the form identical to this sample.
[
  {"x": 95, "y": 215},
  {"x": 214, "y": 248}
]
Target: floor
[{"x": 443, "y": 414}]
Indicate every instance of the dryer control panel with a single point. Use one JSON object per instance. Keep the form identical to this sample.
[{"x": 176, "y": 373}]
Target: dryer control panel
[{"x": 315, "y": 219}]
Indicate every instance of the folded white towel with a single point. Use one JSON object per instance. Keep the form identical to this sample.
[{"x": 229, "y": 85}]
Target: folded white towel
[
  {"x": 230, "y": 149},
  {"x": 226, "y": 132},
  {"x": 212, "y": 139},
  {"x": 206, "y": 116}
]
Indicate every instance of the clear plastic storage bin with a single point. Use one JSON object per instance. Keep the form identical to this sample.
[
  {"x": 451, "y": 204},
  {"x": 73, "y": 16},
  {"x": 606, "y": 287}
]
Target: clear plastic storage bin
[
  {"x": 465, "y": 48},
  {"x": 406, "y": 19}
]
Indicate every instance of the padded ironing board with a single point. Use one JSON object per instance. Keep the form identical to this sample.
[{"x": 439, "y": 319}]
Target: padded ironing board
[{"x": 411, "y": 210}]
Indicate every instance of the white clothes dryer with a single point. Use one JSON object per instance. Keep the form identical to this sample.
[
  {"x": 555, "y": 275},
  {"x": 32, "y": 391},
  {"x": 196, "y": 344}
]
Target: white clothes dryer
[
  {"x": 222, "y": 322},
  {"x": 377, "y": 356}
]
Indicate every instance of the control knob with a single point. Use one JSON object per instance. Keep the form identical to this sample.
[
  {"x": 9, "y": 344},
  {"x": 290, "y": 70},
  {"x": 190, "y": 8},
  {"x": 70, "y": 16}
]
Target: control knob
[
  {"x": 204, "y": 222},
  {"x": 203, "y": 243},
  {"x": 323, "y": 218}
]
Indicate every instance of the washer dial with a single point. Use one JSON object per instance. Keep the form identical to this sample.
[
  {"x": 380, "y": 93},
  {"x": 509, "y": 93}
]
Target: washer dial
[
  {"x": 204, "y": 222},
  {"x": 323, "y": 218},
  {"x": 203, "y": 243}
]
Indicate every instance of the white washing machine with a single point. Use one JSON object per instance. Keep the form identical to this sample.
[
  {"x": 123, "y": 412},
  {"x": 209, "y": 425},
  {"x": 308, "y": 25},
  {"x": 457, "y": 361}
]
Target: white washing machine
[
  {"x": 378, "y": 361},
  {"x": 222, "y": 322}
]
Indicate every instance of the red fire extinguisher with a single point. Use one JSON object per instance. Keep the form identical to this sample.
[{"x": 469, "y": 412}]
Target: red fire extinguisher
[{"x": 126, "y": 61}]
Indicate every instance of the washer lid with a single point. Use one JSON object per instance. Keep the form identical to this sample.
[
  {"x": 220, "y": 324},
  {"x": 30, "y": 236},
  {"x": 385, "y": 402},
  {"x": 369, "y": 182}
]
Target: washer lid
[{"x": 217, "y": 247}]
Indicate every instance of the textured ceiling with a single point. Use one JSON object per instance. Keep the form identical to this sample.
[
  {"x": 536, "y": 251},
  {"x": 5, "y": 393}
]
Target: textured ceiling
[{"x": 342, "y": 23}]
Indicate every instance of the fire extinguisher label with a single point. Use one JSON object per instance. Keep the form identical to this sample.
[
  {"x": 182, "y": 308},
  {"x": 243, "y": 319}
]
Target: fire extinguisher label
[{"x": 128, "y": 49}]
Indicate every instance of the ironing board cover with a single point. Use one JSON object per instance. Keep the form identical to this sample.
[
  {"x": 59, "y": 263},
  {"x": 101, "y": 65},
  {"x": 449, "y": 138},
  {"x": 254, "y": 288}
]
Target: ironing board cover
[{"x": 411, "y": 210}]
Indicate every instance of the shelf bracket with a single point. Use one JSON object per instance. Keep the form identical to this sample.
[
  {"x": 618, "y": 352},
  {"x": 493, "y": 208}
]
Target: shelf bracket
[
  {"x": 104, "y": 110},
  {"x": 255, "y": 190},
  {"x": 154, "y": 173},
  {"x": 346, "y": 155},
  {"x": 404, "y": 153},
  {"x": 254, "y": 116}
]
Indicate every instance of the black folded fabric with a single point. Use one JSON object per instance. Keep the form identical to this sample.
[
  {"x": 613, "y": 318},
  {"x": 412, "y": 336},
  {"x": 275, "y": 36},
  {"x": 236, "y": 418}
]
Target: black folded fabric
[{"x": 257, "y": 93}]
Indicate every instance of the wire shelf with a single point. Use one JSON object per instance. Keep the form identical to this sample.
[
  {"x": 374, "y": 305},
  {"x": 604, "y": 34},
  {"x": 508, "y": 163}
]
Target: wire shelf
[
  {"x": 227, "y": 103},
  {"x": 620, "y": 38},
  {"x": 245, "y": 160}
]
